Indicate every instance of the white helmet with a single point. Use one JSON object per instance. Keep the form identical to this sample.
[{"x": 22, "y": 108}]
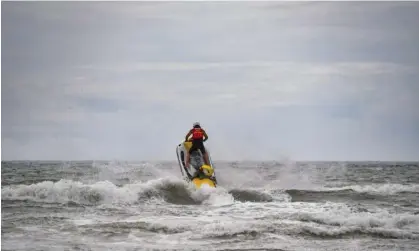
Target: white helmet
[{"x": 196, "y": 124}]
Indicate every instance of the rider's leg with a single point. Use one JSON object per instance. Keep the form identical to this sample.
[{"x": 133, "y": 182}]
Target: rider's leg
[
  {"x": 188, "y": 155},
  {"x": 205, "y": 153},
  {"x": 193, "y": 148},
  {"x": 206, "y": 159}
]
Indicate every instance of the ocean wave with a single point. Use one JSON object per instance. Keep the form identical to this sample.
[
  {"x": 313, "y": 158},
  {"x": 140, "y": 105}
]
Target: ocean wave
[
  {"x": 232, "y": 229},
  {"x": 64, "y": 191},
  {"x": 250, "y": 195},
  {"x": 355, "y": 192},
  {"x": 171, "y": 190},
  {"x": 102, "y": 192},
  {"x": 380, "y": 189},
  {"x": 364, "y": 220},
  {"x": 126, "y": 227},
  {"x": 254, "y": 229}
]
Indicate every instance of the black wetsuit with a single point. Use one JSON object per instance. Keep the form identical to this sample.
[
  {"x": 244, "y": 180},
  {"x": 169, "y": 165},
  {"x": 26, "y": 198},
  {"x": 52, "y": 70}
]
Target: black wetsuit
[{"x": 197, "y": 144}]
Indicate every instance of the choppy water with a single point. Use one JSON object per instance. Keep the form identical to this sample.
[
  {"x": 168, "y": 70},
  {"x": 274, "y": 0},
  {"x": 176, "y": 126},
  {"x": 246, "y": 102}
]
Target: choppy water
[{"x": 258, "y": 206}]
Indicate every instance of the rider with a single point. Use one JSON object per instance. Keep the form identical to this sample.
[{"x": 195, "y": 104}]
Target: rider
[{"x": 198, "y": 140}]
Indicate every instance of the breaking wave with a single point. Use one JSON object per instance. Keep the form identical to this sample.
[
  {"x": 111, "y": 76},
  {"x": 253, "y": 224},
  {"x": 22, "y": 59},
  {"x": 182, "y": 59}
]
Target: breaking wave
[
  {"x": 173, "y": 191},
  {"x": 316, "y": 225},
  {"x": 379, "y": 189},
  {"x": 177, "y": 191}
]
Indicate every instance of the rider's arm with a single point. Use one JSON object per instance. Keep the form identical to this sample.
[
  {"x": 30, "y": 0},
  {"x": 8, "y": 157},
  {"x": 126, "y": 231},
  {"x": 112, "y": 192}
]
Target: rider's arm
[
  {"x": 187, "y": 135},
  {"x": 206, "y": 136}
]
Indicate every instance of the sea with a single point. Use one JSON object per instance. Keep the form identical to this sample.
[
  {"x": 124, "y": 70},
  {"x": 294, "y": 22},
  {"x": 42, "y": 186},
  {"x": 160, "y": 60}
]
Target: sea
[{"x": 121, "y": 205}]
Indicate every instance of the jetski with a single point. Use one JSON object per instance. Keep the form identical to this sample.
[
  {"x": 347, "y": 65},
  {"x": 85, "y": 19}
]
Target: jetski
[{"x": 197, "y": 170}]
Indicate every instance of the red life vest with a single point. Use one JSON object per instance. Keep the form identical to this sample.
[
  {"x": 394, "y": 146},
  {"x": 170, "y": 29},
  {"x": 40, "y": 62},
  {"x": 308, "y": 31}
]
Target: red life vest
[{"x": 197, "y": 133}]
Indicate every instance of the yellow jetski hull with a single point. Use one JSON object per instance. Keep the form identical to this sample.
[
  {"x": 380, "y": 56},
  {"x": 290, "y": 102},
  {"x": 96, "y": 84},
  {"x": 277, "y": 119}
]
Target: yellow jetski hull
[{"x": 205, "y": 182}]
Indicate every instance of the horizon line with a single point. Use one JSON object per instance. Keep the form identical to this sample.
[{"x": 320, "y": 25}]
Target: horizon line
[{"x": 226, "y": 160}]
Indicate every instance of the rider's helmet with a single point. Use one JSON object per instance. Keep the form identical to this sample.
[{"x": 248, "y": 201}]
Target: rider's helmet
[
  {"x": 196, "y": 125},
  {"x": 207, "y": 170}
]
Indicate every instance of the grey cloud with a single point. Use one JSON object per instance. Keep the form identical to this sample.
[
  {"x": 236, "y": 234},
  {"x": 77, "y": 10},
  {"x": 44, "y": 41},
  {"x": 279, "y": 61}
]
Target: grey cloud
[{"x": 125, "y": 80}]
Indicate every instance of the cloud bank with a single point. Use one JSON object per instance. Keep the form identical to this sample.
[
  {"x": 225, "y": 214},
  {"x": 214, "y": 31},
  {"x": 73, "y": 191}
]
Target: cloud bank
[{"x": 126, "y": 80}]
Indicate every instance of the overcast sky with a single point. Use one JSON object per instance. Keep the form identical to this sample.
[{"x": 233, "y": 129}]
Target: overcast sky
[{"x": 298, "y": 80}]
